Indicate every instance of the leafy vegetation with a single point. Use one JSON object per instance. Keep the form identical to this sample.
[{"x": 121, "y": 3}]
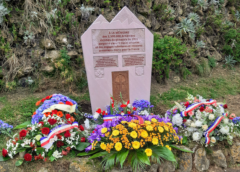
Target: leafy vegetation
[{"x": 167, "y": 54}]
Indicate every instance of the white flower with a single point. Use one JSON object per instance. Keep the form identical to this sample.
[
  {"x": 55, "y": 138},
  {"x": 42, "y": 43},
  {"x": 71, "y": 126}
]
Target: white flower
[
  {"x": 198, "y": 114},
  {"x": 177, "y": 120},
  {"x": 96, "y": 115},
  {"x": 57, "y": 154},
  {"x": 122, "y": 113},
  {"x": 196, "y": 136},
  {"x": 224, "y": 130},
  {"x": 145, "y": 112},
  {"x": 204, "y": 127},
  {"x": 230, "y": 137},
  {"x": 188, "y": 122},
  {"x": 191, "y": 129},
  {"x": 213, "y": 140},
  {"x": 87, "y": 125},
  {"x": 193, "y": 124},
  {"x": 198, "y": 123},
  {"x": 129, "y": 105},
  {"x": 225, "y": 120},
  {"x": 211, "y": 117}
]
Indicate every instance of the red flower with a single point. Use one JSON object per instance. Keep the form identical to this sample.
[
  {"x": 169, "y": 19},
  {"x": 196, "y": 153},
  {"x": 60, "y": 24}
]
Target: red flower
[
  {"x": 59, "y": 136},
  {"x": 52, "y": 121},
  {"x": 186, "y": 104},
  {"x": 28, "y": 157},
  {"x": 60, "y": 144},
  {"x": 69, "y": 122},
  {"x": 64, "y": 152},
  {"x": 129, "y": 112},
  {"x": 68, "y": 148},
  {"x": 54, "y": 112},
  {"x": 4, "y": 152},
  {"x": 42, "y": 123},
  {"x": 67, "y": 134},
  {"x": 43, "y": 100},
  {"x": 81, "y": 128},
  {"x": 225, "y": 106},
  {"x": 45, "y": 130},
  {"x": 201, "y": 109},
  {"x": 99, "y": 110},
  {"x": 68, "y": 116},
  {"x": 93, "y": 131},
  {"x": 48, "y": 97},
  {"x": 134, "y": 108},
  {"x": 23, "y": 133},
  {"x": 83, "y": 139},
  {"x": 184, "y": 120},
  {"x": 68, "y": 103},
  {"x": 103, "y": 112},
  {"x": 123, "y": 106}
]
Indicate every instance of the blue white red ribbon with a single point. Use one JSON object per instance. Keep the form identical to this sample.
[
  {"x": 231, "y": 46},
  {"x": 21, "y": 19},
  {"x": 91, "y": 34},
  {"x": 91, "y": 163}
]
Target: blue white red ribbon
[
  {"x": 45, "y": 141},
  {"x": 212, "y": 127},
  {"x": 195, "y": 105}
]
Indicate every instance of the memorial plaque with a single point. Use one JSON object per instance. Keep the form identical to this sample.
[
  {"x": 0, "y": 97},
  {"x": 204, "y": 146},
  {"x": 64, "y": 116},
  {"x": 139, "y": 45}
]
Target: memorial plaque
[
  {"x": 134, "y": 60},
  {"x": 118, "y": 59},
  {"x": 105, "y": 61},
  {"x": 118, "y": 40},
  {"x": 120, "y": 84}
]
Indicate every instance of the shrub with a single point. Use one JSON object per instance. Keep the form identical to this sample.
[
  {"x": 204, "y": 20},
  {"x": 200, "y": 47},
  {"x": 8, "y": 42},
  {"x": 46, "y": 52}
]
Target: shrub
[
  {"x": 211, "y": 62},
  {"x": 3, "y": 11},
  {"x": 166, "y": 54}
]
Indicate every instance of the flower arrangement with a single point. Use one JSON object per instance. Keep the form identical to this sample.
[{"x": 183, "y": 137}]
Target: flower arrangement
[
  {"x": 5, "y": 128},
  {"x": 134, "y": 139},
  {"x": 116, "y": 109},
  {"x": 54, "y": 136},
  {"x": 47, "y": 102},
  {"x": 201, "y": 120}
]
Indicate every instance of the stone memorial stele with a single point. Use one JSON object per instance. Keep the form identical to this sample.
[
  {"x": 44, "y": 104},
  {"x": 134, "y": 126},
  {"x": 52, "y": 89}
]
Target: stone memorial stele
[{"x": 118, "y": 59}]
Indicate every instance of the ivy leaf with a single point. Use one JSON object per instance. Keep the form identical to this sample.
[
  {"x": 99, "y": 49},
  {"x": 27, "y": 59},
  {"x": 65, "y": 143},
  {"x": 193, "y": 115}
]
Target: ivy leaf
[
  {"x": 23, "y": 125},
  {"x": 81, "y": 146},
  {"x": 19, "y": 162},
  {"x": 4, "y": 158}
]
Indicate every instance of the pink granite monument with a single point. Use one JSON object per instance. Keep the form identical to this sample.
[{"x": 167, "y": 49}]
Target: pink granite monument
[{"x": 118, "y": 59}]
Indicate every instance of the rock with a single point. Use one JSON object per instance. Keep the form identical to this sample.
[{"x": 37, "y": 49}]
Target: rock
[
  {"x": 148, "y": 23},
  {"x": 200, "y": 160},
  {"x": 144, "y": 20},
  {"x": 215, "y": 54},
  {"x": 159, "y": 2},
  {"x": 53, "y": 55},
  {"x": 156, "y": 26},
  {"x": 180, "y": 11},
  {"x": 167, "y": 25},
  {"x": 170, "y": 34},
  {"x": 47, "y": 44},
  {"x": 47, "y": 68},
  {"x": 4, "y": 167},
  {"x": 219, "y": 159},
  {"x": 62, "y": 39},
  {"x": 21, "y": 154},
  {"x": 43, "y": 169},
  {"x": 109, "y": 14},
  {"x": 235, "y": 152},
  {"x": 27, "y": 70},
  {"x": 216, "y": 169},
  {"x": 82, "y": 165},
  {"x": 144, "y": 7},
  {"x": 185, "y": 160},
  {"x": 214, "y": 40},
  {"x": 167, "y": 166},
  {"x": 205, "y": 65},
  {"x": 158, "y": 34},
  {"x": 36, "y": 53},
  {"x": 176, "y": 79},
  {"x": 154, "y": 168},
  {"x": 72, "y": 54}
]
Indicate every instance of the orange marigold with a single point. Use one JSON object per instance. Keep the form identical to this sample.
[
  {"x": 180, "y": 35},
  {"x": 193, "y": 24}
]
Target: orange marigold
[
  {"x": 38, "y": 103},
  {"x": 60, "y": 103},
  {"x": 72, "y": 119},
  {"x": 47, "y": 114},
  {"x": 60, "y": 114}
]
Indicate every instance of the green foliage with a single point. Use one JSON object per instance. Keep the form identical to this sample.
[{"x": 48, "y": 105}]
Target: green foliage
[
  {"x": 65, "y": 59},
  {"x": 194, "y": 2},
  {"x": 185, "y": 72},
  {"x": 186, "y": 26},
  {"x": 4, "y": 46},
  {"x": 166, "y": 54},
  {"x": 229, "y": 61},
  {"x": 23, "y": 125},
  {"x": 211, "y": 62},
  {"x": 232, "y": 43}
]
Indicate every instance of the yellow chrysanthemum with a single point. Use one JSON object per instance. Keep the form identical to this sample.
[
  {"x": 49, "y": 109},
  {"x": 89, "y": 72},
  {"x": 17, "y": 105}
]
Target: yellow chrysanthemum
[
  {"x": 132, "y": 125},
  {"x": 169, "y": 123},
  {"x": 133, "y": 134},
  {"x": 103, "y": 146},
  {"x": 115, "y": 133},
  {"x": 38, "y": 137},
  {"x": 155, "y": 141},
  {"x": 149, "y": 128},
  {"x": 147, "y": 122},
  {"x": 124, "y": 122},
  {"x": 153, "y": 120},
  {"x": 136, "y": 145},
  {"x": 166, "y": 127},
  {"x": 118, "y": 146},
  {"x": 167, "y": 146},
  {"x": 160, "y": 129},
  {"x": 144, "y": 134},
  {"x": 104, "y": 130},
  {"x": 148, "y": 152}
]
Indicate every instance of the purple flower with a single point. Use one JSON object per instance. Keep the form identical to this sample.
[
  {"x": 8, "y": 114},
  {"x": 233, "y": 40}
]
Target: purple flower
[
  {"x": 176, "y": 129},
  {"x": 88, "y": 148}
]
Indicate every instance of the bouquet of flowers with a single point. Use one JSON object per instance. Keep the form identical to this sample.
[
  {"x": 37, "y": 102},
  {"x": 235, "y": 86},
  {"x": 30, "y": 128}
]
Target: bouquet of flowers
[
  {"x": 5, "y": 128},
  {"x": 133, "y": 139},
  {"x": 204, "y": 120},
  {"x": 55, "y": 135},
  {"x": 115, "y": 110}
]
